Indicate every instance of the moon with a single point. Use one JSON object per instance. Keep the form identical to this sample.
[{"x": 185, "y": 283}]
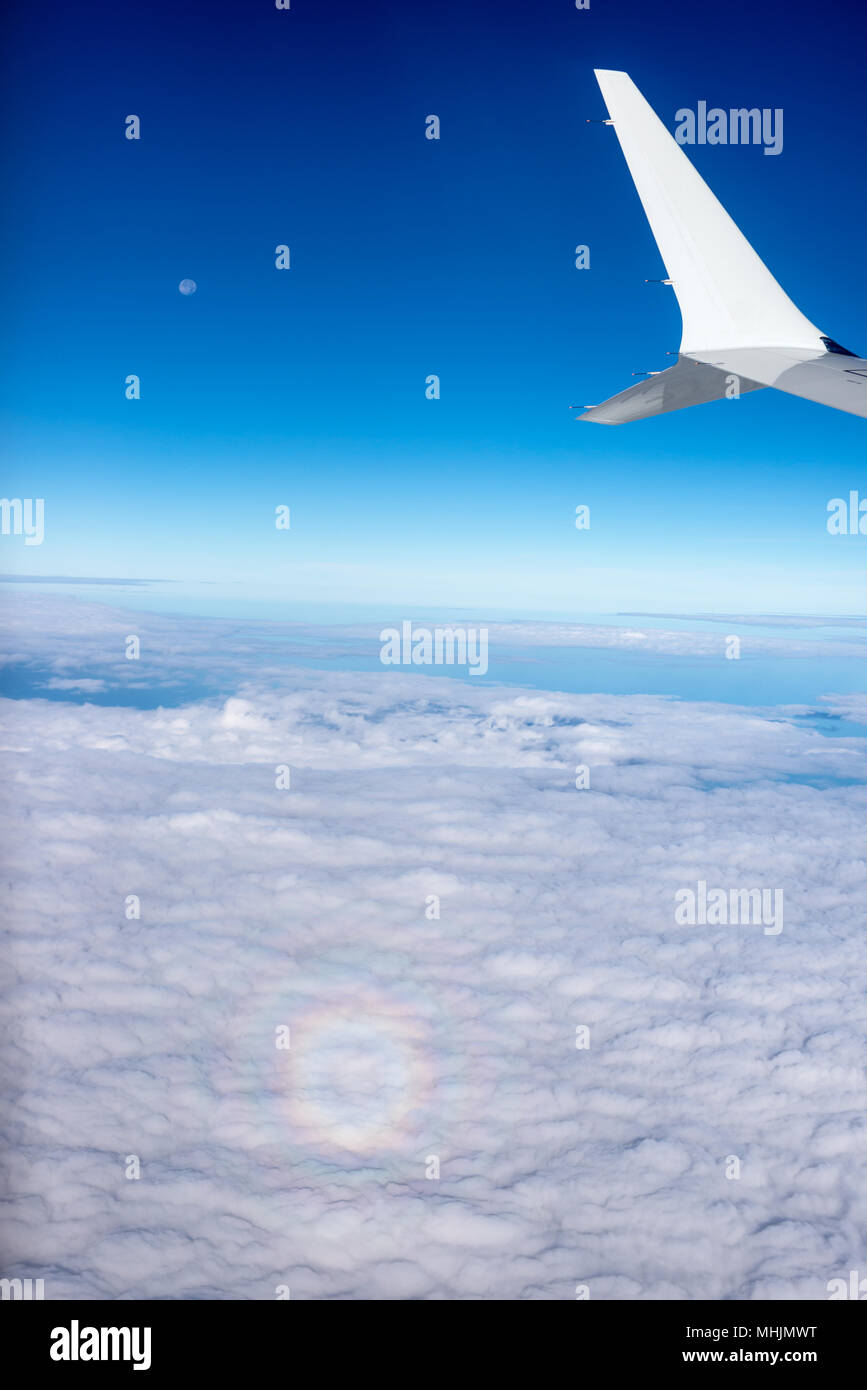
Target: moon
[{"x": 187, "y": 287}]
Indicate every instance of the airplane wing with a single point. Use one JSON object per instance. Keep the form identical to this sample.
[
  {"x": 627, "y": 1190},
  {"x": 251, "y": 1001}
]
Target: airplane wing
[
  {"x": 736, "y": 318},
  {"x": 686, "y": 383}
]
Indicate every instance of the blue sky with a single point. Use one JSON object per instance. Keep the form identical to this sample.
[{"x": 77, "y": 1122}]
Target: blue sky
[{"x": 412, "y": 257}]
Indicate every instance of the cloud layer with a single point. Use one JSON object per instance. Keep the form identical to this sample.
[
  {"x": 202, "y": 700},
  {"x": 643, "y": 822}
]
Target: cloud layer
[{"x": 416, "y": 1036}]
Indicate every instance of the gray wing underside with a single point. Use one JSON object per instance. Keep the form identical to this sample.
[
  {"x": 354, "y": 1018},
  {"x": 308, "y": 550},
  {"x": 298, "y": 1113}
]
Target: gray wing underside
[{"x": 686, "y": 383}]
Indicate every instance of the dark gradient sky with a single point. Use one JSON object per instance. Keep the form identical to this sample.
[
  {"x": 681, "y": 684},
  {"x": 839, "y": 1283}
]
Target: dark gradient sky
[{"x": 411, "y": 257}]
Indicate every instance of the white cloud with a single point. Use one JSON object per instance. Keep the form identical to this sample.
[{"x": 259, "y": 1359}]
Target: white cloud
[{"x": 414, "y": 1036}]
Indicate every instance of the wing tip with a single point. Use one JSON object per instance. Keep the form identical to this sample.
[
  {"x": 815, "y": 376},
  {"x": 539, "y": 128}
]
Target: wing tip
[{"x": 607, "y": 77}]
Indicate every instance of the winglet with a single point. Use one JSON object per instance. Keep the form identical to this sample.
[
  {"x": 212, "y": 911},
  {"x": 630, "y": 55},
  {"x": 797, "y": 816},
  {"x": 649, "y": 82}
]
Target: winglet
[{"x": 727, "y": 295}]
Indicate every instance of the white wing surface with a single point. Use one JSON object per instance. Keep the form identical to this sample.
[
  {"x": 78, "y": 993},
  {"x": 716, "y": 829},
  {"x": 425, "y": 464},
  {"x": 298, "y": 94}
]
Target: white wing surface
[{"x": 737, "y": 320}]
